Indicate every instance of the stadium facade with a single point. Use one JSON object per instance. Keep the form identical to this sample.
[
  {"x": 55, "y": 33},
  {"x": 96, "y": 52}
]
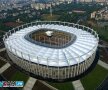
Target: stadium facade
[{"x": 68, "y": 52}]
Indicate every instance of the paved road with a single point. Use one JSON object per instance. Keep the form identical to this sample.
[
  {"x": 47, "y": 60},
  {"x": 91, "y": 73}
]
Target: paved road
[
  {"x": 30, "y": 83},
  {"x": 104, "y": 46},
  {"x": 3, "y": 49},
  {"x": 5, "y": 67},
  {"x": 104, "y": 65},
  {"x": 78, "y": 85},
  {"x": 51, "y": 87}
]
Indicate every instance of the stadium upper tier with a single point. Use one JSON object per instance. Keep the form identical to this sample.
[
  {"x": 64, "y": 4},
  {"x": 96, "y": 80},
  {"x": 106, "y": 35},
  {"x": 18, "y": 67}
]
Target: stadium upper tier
[{"x": 81, "y": 49}]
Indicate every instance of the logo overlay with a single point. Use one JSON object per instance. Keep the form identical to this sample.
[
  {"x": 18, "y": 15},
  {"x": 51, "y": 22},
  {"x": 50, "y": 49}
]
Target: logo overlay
[{"x": 11, "y": 83}]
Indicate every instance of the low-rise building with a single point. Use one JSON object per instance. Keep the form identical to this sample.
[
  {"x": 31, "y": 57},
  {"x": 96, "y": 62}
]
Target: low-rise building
[
  {"x": 38, "y": 6},
  {"x": 100, "y": 15}
]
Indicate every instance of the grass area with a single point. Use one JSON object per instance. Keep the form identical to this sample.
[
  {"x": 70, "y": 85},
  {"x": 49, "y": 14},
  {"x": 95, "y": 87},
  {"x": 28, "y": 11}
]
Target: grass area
[
  {"x": 94, "y": 79},
  {"x": 103, "y": 33},
  {"x": 18, "y": 76},
  {"x": 101, "y": 30},
  {"x": 48, "y": 17},
  {"x": 63, "y": 86}
]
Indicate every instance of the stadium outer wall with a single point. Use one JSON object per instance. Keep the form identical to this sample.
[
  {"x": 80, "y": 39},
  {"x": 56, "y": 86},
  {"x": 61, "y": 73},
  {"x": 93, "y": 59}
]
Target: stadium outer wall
[{"x": 58, "y": 74}]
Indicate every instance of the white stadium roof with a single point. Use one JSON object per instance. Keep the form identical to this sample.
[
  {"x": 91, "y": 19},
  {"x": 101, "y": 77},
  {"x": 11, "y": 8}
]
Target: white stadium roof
[{"x": 82, "y": 48}]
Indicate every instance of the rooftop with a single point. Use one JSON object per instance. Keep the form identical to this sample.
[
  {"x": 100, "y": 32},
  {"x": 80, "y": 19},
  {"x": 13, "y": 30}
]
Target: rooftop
[{"x": 80, "y": 50}]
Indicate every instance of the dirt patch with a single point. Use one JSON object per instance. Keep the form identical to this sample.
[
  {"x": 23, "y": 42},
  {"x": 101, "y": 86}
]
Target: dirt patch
[
  {"x": 2, "y": 63},
  {"x": 40, "y": 86},
  {"x": 9, "y": 73},
  {"x": 104, "y": 55}
]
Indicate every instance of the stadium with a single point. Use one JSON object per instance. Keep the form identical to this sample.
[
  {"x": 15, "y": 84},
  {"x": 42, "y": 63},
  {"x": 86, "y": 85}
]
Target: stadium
[{"x": 52, "y": 50}]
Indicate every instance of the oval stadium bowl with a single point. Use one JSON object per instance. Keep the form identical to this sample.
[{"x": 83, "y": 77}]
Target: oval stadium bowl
[{"x": 52, "y": 50}]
